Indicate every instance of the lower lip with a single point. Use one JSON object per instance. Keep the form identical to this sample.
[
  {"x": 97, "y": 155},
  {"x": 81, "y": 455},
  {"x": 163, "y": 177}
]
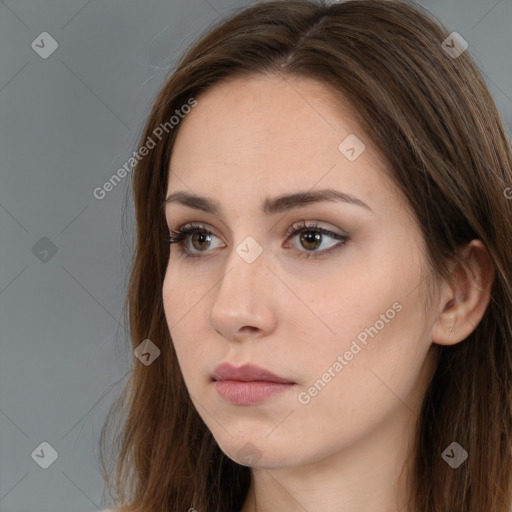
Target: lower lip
[{"x": 239, "y": 392}]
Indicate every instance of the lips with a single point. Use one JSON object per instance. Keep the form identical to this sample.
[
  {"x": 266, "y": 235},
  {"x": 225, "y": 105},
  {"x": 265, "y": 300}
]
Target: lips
[
  {"x": 247, "y": 384},
  {"x": 246, "y": 373}
]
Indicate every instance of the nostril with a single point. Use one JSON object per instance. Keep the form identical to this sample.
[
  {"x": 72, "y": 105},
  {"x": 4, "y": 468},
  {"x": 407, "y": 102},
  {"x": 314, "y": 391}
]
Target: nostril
[{"x": 249, "y": 329}]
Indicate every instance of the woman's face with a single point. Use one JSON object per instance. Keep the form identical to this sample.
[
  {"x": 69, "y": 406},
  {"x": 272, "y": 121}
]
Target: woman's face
[{"x": 342, "y": 322}]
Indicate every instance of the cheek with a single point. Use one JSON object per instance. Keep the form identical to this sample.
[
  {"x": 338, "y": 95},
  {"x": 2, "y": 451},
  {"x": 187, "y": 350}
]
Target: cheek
[
  {"x": 182, "y": 311},
  {"x": 371, "y": 322},
  {"x": 181, "y": 296},
  {"x": 354, "y": 385}
]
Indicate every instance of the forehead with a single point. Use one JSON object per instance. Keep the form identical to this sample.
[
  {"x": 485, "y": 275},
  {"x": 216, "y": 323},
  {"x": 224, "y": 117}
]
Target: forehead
[
  {"x": 265, "y": 113},
  {"x": 259, "y": 134}
]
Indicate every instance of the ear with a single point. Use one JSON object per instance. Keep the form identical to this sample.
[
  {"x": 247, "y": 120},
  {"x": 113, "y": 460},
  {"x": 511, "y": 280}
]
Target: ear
[{"x": 464, "y": 300}]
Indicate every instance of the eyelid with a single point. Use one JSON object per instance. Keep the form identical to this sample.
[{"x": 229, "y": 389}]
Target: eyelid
[
  {"x": 313, "y": 224},
  {"x": 199, "y": 225}
]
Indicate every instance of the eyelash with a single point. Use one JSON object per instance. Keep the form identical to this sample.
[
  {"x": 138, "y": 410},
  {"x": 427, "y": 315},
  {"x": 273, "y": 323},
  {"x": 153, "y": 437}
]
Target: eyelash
[{"x": 180, "y": 235}]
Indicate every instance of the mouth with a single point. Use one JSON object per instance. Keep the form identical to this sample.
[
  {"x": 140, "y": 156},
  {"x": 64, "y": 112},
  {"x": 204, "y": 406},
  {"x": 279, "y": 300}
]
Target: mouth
[{"x": 247, "y": 384}]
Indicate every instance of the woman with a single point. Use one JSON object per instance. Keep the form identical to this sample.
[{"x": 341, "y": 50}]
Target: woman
[{"x": 320, "y": 300}]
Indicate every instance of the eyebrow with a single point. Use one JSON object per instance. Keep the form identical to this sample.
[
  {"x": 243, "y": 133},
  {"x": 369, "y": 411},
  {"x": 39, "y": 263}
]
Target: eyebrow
[{"x": 270, "y": 206}]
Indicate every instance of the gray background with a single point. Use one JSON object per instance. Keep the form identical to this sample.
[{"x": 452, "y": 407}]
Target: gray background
[{"x": 68, "y": 122}]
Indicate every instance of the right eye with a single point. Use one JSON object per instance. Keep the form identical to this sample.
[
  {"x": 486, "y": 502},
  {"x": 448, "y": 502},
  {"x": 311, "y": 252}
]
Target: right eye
[{"x": 183, "y": 234}]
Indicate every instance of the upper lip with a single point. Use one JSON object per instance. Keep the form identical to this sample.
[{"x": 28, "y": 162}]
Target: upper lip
[{"x": 247, "y": 373}]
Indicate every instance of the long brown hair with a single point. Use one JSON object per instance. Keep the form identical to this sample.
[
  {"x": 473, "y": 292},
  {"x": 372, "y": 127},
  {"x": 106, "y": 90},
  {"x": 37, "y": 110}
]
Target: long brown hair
[{"x": 435, "y": 122}]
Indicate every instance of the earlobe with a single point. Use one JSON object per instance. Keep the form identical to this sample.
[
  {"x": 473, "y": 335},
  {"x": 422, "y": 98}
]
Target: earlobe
[{"x": 465, "y": 299}]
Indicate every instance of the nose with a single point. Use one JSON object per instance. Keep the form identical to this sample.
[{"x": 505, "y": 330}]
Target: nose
[{"x": 243, "y": 303}]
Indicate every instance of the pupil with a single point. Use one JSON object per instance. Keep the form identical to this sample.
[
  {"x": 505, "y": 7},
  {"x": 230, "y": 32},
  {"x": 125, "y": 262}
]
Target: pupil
[
  {"x": 311, "y": 237},
  {"x": 203, "y": 236}
]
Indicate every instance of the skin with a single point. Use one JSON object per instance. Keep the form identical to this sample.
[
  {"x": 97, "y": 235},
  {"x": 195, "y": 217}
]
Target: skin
[{"x": 257, "y": 137}]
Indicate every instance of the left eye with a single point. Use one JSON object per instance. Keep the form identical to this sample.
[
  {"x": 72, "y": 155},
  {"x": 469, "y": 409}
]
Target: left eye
[{"x": 311, "y": 237}]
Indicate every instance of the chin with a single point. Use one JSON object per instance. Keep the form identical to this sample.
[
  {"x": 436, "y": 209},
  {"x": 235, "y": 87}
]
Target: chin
[{"x": 255, "y": 453}]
